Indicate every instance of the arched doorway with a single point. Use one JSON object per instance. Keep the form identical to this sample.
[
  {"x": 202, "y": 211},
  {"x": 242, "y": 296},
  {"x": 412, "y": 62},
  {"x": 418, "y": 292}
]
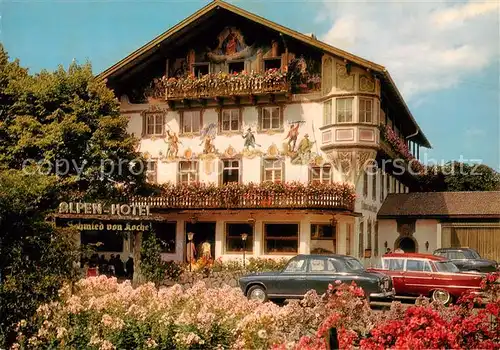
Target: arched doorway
[{"x": 407, "y": 244}]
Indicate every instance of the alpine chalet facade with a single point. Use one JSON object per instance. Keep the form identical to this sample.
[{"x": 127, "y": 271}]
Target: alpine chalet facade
[{"x": 227, "y": 99}]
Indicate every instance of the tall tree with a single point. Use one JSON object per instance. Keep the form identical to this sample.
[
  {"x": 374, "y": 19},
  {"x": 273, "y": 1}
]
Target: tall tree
[
  {"x": 456, "y": 176},
  {"x": 68, "y": 124},
  {"x": 61, "y": 138}
]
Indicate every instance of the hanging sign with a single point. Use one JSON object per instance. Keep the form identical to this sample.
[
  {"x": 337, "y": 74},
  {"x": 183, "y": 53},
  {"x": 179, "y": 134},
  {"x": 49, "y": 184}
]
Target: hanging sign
[{"x": 99, "y": 209}]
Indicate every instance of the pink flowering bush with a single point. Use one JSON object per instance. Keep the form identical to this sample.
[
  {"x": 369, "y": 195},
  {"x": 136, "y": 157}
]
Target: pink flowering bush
[
  {"x": 100, "y": 313},
  {"x": 400, "y": 147}
]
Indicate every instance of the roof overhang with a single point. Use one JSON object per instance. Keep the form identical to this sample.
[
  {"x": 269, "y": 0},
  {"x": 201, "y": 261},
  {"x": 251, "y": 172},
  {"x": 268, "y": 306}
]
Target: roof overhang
[{"x": 154, "y": 45}]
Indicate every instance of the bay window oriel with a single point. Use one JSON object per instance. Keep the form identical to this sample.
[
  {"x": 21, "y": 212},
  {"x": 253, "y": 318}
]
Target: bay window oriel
[
  {"x": 366, "y": 110},
  {"x": 344, "y": 110}
]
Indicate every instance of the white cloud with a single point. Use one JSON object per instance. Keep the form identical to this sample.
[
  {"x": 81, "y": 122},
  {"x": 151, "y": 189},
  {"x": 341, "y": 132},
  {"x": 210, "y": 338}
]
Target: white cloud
[{"x": 426, "y": 46}]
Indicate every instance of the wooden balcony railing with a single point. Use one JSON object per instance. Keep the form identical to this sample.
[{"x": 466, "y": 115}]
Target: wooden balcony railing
[
  {"x": 217, "y": 85},
  {"x": 248, "y": 201}
]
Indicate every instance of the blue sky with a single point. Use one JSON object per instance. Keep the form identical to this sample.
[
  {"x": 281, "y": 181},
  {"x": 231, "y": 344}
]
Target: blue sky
[{"x": 444, "y": 56}]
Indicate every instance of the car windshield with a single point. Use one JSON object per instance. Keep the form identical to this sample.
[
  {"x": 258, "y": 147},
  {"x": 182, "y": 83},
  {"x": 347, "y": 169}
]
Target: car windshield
[
  {"x": 446, "y": 266},
  {"x": 353, "y": 265}
]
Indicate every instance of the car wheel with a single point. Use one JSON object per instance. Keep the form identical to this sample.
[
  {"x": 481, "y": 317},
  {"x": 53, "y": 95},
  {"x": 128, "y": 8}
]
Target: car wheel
[
  {"x": 441, "y": 296},
  {"x": 257, "y": 293}
]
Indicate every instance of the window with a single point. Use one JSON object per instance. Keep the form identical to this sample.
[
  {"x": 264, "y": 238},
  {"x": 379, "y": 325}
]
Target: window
[
  {"x": 230, "y": 120},
  {"x": 320, "y": 266},
  {"x": 446, "y": 266},
  {"x": 152, "y": 171},
  {"x": 396, "y": 183},
  {"x": 323, "y": 239},
  {"x": 166, "y": 234},
  {"x": 190, "y": 121},
  {"x": 231, "y": 171},
  {"x": 353, "y": 264},
  {"x": 327, "y": 112},
  {"x": 365, "y": 183},
  {"x": 154, "y": 124},
  {"x": 374, "y": 186},
  {"x": 200, "y": 69},
  {"x": 453, "y": 255},
  {"x": 111, "y": 241},
  {"x": 236, "y": 67},
  {"x": 270, "y": 118},
  {"x": 361, "y": 247},
  {"x": 393, "y": 184},
  {"x": 273, "y": 170},
  {"x": 388, "y": 183},
  {"x": 415, "y": 265},
  {"x": 344, "y": 110},
  {"x": 188, "y": 172},
  {"x": 320, "y": 174},
  {"x": 375, "y": 250},
  {"x": 296, "y": 265},
  {"x": 281, "y": 238},
  {"x": 234, "y": 243},
  {"x": 394, "y": 264},
  {"x": 365, "y": 110},
  {"x": 272, "y": 63}
]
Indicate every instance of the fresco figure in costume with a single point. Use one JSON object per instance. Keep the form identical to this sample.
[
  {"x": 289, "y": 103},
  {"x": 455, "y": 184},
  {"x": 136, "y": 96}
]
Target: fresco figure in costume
[
  {"x": 208, "y": 134},
  {"x": 173, "y": 144},
  {"x": 249, "y": 139},
  {"x": 304, "y": 150},
  {"x": 293, "y": 133}
]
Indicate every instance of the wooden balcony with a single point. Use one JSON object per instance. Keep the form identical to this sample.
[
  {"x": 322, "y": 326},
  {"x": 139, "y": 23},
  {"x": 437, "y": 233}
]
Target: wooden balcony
[
  {"x": 249, "y": 201},
  {"x": 226, "y": 85}
]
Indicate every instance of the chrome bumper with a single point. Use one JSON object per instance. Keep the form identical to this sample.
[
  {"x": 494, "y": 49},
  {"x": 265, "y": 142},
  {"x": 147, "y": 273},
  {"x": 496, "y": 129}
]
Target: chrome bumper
[{"x": 388, "y": 294}]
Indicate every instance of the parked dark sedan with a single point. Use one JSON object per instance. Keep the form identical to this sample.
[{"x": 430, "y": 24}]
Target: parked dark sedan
[
  {"x": 467, "y": 259},
  {"x": 306, "y": 272}
]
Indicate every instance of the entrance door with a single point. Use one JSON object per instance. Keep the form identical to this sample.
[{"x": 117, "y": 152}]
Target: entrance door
[
  {"x": 407, "y": 244},
  {"x": 204, "y": 232}
]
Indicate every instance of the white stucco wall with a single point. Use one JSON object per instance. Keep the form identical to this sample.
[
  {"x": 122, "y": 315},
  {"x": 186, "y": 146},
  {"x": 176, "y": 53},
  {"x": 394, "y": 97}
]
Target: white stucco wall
[{"x": 426, "y": 230}]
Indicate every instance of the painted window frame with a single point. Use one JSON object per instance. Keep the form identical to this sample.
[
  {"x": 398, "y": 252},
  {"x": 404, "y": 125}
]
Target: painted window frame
[
  {"x": 273, "y": 169},
  {"x": 313, "y": 170},
  {"x": 261, "y": 111},
  {"x": 182, "y": 117},
  {"x": 239, "y": 118},
  {"x": 191, "y": 173}
]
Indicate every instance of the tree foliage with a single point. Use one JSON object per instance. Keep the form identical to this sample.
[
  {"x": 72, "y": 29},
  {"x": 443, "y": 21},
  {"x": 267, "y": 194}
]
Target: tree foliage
[
  {"x": 455, "y": 176},
  {"x": 59, "y": 134},
  {"x": 67, "y": 123}
]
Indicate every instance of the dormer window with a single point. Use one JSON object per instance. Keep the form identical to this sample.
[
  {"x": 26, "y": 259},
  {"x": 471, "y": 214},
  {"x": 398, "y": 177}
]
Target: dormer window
[
  {"x": 201, "y": 69},
  {"x": 272, "y": 63},
  {"x": 236, "y": 67}
]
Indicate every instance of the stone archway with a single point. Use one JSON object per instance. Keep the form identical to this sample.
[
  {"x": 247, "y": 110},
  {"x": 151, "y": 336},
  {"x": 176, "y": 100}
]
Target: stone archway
[{"x": 407, "y": 243}]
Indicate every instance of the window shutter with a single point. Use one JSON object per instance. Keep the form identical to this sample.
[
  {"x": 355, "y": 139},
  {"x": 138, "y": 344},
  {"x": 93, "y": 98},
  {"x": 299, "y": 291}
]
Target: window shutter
[
  {"x": 144, "y": 116},
  {"x": 221, "y": 169},
  {"x": 259, "y": 118},
  {"x": 283, "y": 171},
  {"x": 327, "y": 75}
]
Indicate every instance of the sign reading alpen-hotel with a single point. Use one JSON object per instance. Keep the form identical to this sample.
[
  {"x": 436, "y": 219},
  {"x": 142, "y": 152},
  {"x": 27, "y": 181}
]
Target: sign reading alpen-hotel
[{"x": 103, "y": 209}]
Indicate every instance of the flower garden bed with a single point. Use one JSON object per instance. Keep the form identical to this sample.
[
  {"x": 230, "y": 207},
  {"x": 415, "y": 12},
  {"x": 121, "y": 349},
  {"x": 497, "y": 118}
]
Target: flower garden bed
[{"x": 99, "y": 313}]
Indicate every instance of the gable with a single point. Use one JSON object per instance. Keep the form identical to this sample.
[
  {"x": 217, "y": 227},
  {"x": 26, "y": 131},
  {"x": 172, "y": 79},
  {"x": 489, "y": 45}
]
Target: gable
[{"x": 200, "y": 32}]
